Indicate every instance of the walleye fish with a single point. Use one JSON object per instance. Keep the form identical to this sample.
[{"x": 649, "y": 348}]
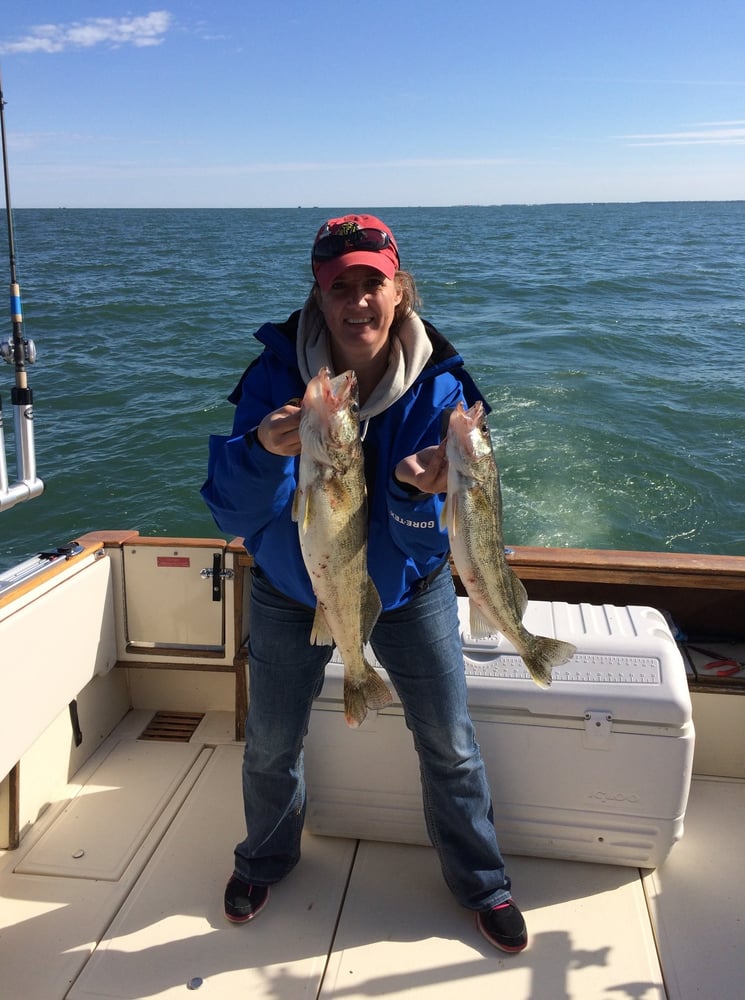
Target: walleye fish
[
  {"x": 473, "y": 514},
  {"x": 330, "y": 507}
]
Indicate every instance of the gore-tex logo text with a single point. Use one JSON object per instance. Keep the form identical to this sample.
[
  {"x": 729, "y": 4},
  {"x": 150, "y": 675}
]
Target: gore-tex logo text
[{"x": 412, "y": 524}]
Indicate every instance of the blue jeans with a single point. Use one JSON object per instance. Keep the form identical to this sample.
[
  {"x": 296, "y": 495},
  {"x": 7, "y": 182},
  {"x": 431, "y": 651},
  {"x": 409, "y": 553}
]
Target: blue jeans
[{"x": 419, "y": 646}]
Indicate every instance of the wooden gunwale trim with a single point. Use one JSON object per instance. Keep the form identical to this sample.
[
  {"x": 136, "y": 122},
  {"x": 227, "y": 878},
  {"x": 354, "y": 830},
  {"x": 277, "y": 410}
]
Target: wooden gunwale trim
[
  {"x": 110, "y": 539},
  {"x": 183, "y": 543},
  {"x": 56, "y": 566},
  {"x": 672, "y": 569},
  {"x": 118, "y": 539},
  {"x": 682, "y": 569}
]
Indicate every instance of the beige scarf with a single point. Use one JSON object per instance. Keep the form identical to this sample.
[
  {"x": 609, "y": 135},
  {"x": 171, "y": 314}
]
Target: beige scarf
[{"x": 409, "y": 352}]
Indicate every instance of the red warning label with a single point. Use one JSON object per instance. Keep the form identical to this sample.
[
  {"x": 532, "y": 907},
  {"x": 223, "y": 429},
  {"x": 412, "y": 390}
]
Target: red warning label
[{"x": 182, "y": 562}]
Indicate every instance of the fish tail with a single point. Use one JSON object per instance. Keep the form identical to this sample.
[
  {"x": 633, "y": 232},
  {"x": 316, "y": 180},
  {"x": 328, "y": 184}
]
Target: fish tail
[
  {"x": 372, "y": 692},
  {"x": 376, "y": 691},
  {"x": 543, "y": 654},
  {"x": 355, "y": 706}
]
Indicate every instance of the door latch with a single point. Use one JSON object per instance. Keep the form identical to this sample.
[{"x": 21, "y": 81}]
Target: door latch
[{"x": 216, "y": 574}]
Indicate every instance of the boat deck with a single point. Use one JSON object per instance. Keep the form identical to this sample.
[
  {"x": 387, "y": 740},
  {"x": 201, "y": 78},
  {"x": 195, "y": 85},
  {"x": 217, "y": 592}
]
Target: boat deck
[{"x": 117, "y": 892}]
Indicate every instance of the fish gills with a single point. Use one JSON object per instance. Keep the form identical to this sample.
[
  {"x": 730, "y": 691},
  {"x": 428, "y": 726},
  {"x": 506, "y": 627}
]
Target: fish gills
[
  {"x": 330, "y": 508},
  {"x": 473, "y": 514}
]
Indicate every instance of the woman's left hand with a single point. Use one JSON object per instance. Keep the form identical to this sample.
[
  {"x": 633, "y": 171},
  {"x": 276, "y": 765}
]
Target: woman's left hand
[{"x": 427, "y": 470}]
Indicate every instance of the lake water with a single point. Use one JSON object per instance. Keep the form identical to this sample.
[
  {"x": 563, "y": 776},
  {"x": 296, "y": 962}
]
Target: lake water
[{"x": 609, "y": 340}]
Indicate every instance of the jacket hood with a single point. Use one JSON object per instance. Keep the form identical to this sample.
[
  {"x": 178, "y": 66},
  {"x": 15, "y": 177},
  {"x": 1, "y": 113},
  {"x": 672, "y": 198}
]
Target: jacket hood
[{"x": 410, "y": 350}]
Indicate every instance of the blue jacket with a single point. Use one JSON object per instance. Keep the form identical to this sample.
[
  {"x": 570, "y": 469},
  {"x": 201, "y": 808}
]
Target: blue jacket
[{"x": 250, "y": 491}]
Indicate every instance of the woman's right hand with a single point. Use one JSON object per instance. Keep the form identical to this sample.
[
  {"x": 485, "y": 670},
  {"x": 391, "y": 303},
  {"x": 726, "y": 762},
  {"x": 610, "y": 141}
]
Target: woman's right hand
[
  {"x": 427, "y": 470},
  {"x": 279, "y": 431}
]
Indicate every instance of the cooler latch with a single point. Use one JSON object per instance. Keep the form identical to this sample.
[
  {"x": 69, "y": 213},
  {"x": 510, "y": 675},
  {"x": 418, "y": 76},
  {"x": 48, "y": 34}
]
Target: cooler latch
[{"x": 597, "y": 730}]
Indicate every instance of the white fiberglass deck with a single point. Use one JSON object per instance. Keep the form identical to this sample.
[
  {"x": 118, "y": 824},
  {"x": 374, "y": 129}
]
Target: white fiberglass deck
[{"x": 118, "y": 893}]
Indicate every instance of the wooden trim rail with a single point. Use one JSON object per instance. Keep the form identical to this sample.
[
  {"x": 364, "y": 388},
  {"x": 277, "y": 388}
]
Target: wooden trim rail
[{"x": 670, "y": 569}]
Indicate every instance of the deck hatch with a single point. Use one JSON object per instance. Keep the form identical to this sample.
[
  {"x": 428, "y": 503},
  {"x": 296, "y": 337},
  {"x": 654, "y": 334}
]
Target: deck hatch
[
  {"x": 172, "y": 727},
  {"x": 104, "y": 825}
]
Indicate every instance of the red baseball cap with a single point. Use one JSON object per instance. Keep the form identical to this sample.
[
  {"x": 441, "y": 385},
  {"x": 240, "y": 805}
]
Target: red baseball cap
[{"x": 349, "y": 240}]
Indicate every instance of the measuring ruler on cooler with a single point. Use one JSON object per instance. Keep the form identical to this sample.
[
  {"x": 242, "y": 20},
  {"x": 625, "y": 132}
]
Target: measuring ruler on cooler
[{"x": 584, "y": 668}]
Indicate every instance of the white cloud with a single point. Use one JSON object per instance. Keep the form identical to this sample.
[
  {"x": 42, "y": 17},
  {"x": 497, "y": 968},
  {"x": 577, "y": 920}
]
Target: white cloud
[
  {"x": 731, "y": 133},
  {"x": 149, "y": 29}
]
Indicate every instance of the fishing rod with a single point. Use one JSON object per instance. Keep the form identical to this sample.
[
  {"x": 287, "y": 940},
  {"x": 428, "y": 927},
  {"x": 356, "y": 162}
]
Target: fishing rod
[{"x": 19, "y": 352}]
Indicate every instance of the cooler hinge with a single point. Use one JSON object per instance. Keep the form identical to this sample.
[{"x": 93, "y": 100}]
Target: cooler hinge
[{"x": 597, "y": 730}]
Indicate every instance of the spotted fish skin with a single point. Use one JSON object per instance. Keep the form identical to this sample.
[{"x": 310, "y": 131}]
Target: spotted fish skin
[
  {"x": 330, "y": 508},
  {"x": 473, "y": 514}
]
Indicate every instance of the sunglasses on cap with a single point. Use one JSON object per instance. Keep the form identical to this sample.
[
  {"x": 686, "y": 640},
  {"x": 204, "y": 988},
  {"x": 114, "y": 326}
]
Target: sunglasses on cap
[{"x": 349, "y": 237}]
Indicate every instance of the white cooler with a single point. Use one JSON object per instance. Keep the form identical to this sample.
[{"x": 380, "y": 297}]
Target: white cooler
[{"x": 595, "y": 768}]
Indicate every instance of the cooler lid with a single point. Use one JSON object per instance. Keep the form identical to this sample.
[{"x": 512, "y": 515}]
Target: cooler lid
[
  {"x": 627, "y": 662},
  {"x": 627, "y": 665}
]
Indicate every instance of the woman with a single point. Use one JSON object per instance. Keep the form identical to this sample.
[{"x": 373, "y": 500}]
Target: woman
[{"x": 359, "y": 316}]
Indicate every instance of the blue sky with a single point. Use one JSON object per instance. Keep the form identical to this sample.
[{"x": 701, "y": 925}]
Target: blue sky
[{"x": 343, "y": 103}]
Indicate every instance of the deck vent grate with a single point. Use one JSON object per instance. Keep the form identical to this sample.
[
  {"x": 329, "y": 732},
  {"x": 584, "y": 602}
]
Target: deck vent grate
[{"x": 172, "y": 727}]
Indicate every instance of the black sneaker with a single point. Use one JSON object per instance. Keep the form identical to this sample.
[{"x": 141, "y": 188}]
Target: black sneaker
[
  {"x": 503, "y": 927},
  {"x": 243, "y": 900}
]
